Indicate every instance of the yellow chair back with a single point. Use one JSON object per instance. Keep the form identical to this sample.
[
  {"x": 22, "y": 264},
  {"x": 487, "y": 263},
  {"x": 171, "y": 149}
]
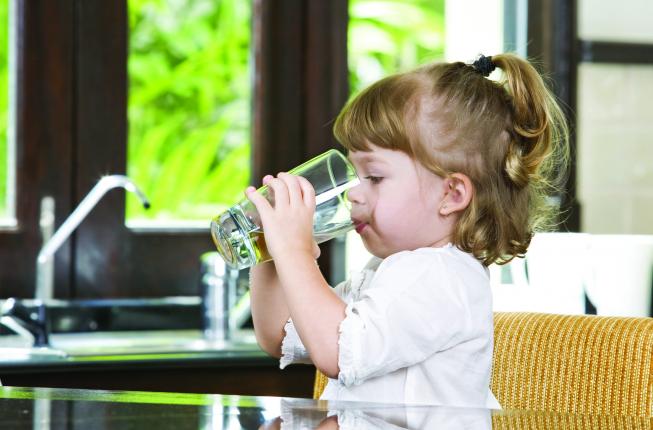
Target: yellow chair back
[{"x": 579, "y": 364}]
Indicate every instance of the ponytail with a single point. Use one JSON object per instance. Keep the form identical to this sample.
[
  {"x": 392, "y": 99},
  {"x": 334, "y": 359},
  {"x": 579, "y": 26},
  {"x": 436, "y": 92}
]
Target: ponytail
[{"x": 539, "y": 129}]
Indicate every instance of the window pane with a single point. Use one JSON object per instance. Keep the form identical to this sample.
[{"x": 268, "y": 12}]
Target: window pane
[
  {"x": 189, "y": 107},
  {"x": 616, "y": 21},
  {"x": 615, "y": 177},
  {"x": 387, "y": 36},
  {"x": 4, "y": 110}
]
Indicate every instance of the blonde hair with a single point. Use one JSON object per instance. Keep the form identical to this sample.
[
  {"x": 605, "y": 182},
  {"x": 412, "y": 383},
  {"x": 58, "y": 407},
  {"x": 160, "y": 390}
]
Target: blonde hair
[{"x": 509, "y": 137}]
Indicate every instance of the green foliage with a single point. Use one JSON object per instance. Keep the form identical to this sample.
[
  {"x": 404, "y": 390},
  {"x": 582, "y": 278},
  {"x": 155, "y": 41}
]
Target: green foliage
[
  {"x": 4, "y": 100},
  {"x": 387, "y": 36},
  {"x": 189, "y": 106},
  {"x": 189, "y": 95}
]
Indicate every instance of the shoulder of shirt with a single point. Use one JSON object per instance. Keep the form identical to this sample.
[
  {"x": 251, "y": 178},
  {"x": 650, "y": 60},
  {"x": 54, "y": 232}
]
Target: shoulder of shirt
[{"x": 432, "y": 256}]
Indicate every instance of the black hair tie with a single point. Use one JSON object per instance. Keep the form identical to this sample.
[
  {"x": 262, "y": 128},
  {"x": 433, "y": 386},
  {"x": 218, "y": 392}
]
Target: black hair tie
[{"x": 484, "y": 65}]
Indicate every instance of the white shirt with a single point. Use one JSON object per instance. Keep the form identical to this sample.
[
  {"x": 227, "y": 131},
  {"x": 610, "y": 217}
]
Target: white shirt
[{"x": 418, "y": 330}]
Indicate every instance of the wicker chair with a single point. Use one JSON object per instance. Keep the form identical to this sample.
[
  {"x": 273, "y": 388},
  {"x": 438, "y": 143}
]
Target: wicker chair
[{"x": 576, "y": 364}]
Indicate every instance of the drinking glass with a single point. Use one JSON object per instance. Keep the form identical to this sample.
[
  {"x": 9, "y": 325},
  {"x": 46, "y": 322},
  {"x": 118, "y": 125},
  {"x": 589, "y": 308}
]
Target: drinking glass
[{"x": 238, "y": 234}]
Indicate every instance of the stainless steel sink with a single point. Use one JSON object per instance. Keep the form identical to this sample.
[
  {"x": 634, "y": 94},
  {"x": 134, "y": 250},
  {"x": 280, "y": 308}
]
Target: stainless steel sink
[
  {"x": 126, "y": 344},
  {"x": 144, "y": 342},
  {"x": 125, "y": 327},
  {"x": 22, "y": 354}
]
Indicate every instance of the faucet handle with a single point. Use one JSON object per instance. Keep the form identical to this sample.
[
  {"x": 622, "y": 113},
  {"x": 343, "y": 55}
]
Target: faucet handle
[{"x": 31, "y": 318}]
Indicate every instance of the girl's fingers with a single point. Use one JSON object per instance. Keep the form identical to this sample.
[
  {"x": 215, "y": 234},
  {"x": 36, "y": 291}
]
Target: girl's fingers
[
  {"x": 260, "y": 202},
  {"x": 280, "y": 190},
  {"x": 308, "y": 192},
  {"x": 267, "y": 179},
  {"x": 294, "y": 190},
  {"x": 316, "y": 250}
]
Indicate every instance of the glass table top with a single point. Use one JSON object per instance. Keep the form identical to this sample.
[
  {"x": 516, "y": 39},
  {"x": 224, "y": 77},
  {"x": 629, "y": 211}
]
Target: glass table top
[{"x": 52, "y": 408}]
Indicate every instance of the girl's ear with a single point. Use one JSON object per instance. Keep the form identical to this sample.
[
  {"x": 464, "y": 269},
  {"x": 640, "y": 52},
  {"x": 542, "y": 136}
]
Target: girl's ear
[{"x": 457, "y": 194}]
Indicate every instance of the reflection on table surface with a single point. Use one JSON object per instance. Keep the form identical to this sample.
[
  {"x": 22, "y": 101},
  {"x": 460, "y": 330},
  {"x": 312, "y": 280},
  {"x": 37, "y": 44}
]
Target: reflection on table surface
[{"x": 48, "y": 408}]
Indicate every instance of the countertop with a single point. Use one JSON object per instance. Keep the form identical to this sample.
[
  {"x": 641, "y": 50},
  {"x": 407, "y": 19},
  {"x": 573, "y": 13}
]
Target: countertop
[
  {"x": 154, "y": 360},
  {"x": 47, "y": 408},
  {"x": 129, "y": 349}
]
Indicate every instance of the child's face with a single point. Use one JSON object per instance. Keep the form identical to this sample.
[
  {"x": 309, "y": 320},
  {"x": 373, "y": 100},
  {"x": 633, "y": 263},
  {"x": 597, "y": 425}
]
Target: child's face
[{"x": 396, "y": 206}]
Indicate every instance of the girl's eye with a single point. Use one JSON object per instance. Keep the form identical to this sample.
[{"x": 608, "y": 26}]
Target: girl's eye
[{"x": 374, "y": 179}]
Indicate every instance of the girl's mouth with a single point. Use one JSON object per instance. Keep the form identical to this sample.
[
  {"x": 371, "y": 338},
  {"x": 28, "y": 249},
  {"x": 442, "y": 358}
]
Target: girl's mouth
[{"x": 360, "y": 226}]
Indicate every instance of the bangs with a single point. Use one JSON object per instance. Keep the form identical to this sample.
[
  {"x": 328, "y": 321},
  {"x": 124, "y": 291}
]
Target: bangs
[{"x": 379, "y": 116}]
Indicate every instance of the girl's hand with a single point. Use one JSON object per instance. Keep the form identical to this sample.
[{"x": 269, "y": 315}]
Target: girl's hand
[{"x": 288, "y": 225}]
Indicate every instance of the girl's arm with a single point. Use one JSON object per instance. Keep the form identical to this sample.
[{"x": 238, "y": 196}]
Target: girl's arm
[
  {"x": 316, "y": 311},
  {"x": 269, "y": 310}
]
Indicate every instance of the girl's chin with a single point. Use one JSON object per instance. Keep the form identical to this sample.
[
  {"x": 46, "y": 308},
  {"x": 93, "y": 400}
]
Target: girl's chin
[{"x": 375, "y": 250}]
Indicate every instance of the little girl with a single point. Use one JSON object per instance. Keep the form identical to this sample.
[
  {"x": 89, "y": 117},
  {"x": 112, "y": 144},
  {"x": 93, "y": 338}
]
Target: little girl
[{"x": 456, "y": 172}]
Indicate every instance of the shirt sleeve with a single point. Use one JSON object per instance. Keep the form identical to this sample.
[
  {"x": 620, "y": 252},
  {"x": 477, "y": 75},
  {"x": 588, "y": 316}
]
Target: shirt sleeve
[
  {"x": 292, "y": 347},
  {"x": 413, "y": 308}
]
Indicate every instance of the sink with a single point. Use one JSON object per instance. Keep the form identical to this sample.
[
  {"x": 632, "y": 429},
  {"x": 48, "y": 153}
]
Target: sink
[
  {"x": 125, "y": 345},
  {"x": 92, "y": 329},
  {"x": 22, "y": 354},
  {"x": 148, "y": 342}
]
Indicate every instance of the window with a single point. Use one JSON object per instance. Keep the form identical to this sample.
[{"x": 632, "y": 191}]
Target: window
[
  {"x": 614, "y": 153},
  {"x": 189, "y": 108},
  {"x": 615, "y": 177},
  {"x": 82, "y": 76}
]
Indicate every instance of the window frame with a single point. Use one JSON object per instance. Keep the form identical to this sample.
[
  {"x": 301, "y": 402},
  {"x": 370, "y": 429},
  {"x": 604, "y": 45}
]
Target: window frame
[
  {"x": 554, "y": 40},
  {"x": 72, "y": 108},
  {"x": 43, "y": 131}
]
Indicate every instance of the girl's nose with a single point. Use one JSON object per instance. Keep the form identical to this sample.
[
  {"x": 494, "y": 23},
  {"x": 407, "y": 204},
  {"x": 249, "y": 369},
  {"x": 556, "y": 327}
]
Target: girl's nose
[{"x": 354, "y": 194}]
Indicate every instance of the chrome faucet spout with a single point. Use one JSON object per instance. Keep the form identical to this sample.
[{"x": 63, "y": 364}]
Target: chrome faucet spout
[{"x": 44, "y": 269}]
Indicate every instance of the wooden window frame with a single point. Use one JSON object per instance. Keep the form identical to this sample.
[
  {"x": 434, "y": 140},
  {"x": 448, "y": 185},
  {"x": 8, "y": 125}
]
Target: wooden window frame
[{"x": 72, "y": 128}]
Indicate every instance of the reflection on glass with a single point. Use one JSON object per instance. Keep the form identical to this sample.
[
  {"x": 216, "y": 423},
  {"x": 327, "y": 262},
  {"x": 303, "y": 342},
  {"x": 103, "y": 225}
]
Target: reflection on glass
[
  {"x": 305, "y": 414},
  {"x": 189, "y": 98}
]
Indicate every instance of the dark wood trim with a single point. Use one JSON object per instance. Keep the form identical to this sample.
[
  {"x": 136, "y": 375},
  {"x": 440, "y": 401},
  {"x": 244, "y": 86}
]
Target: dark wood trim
[
  {"x": 327, "y": 89},
  {"x": 111, "y": 260},
  {"x": 44, "y": 137},
  {"x": 102, "y": 252},
  {"x": 552, "y": 34},
  {"x": 595, "y": 51},
  {"x": 327, "y": 85},
  {"x": 278, "y": 133},
  {"x": 301, "y": 85}
]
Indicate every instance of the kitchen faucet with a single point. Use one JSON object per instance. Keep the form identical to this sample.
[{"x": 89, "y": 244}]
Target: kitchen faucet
[
  {"x": 30, "y": 322},
  {"x": 44, "y": 261}
]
